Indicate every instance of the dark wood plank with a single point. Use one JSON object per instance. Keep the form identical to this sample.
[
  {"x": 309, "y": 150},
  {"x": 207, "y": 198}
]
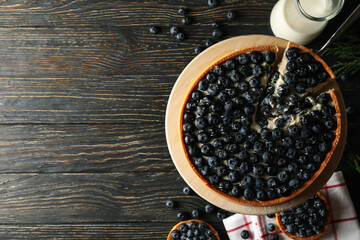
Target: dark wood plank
[
  {"x": 127, "y": 230},
  {"x": 93, "y": 198},
  {"x": 83, "y": 148},
  {"x": 122, "y": 13},
  {"x": 102, "y": 50},
  {"x": 105, "y": 99}
]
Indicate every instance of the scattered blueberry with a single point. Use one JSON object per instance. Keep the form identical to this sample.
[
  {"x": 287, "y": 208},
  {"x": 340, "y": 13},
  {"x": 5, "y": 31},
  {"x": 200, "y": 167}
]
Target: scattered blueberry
[
  {"x": 196, "y": 213},
  {"x": 186, "y": 20},
  {"x": 182, "y": 10},
  {"x": 215, "y": 25},
  {"x": 174, "y": 30},
  {"x": 187, "y": 190},
  {"x": 349, "y": 110},
  {"x": 344, "y": 77},
  {"x": 231, "y": 15},
  {"x": 217, "y": 33},
  {"x": 180, "y": 36},
  {"x": 270, "y": 227},
  {"x": 182, "y": 216},
  {"x": 213, "y": 3},
  {"x": 198, "y": 49},
  {"x": 170, "y": 203},
  {"x": 209, "y": 208},
  {"x": 154, "y": 29}
]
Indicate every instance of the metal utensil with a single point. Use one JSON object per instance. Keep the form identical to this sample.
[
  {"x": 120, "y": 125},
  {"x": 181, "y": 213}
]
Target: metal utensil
[{"x": 350, "y": 20}]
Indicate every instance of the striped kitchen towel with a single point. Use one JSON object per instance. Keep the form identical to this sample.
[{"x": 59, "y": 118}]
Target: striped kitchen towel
[{"x": 344, "y": 224}]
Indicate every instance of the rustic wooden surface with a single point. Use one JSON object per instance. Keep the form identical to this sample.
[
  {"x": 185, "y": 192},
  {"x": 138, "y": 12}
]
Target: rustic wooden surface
[{"x": 83, "y": 93}]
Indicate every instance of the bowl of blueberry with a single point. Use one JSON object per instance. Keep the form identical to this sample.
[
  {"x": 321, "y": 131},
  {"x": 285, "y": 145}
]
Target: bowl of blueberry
[{"x": 256, "y": 124}]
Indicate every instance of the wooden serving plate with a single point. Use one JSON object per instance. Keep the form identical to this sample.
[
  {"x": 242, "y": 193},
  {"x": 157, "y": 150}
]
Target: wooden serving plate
[{"x": 178, "y": 97}]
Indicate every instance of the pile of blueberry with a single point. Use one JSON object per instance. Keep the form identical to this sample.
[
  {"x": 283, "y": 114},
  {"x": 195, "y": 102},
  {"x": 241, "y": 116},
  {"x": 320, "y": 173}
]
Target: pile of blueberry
[
  {"x": 256, "y": 134},
  {"x": 193, "y": 230},
  {"x": 308, "y": 219}
]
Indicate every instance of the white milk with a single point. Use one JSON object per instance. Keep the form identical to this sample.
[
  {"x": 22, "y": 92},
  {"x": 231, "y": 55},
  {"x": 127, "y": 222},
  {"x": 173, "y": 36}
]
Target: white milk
[{"x": 289, "y": 23}]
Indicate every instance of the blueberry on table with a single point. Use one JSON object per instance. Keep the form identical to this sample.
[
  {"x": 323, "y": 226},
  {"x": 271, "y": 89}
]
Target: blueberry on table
[
  {"x": 217, "y": 33},
  {"x": 213, "y": 3},
  {"x": 182, "y": 10},
  {"x": 180, "y": 36},
  {"x": 198, "y": 49},
  {"x": 231, "y": 15},
  {"x": 187, "y": 190},
  {"x": 215, "y": 25},
  {"x": 170, "y": 203},
  {"x": 344, "y": 77},
  {"x": 209, "y": 42},
  {"x": 209, "y": 208},
  {"x": 196, "y": 213},
  {"x": 245, "y": 234},
  {"x": 154, "y": 29},
  {"x": 221, "y": 215},
  {"x": 349, "y": 110},
  {"x": 186, "y": 20},
  {"x": 182, "y": 216},
  {"x": 174, "y": 30}
]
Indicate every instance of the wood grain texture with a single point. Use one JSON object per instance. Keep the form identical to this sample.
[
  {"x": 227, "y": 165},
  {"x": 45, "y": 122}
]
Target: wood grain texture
[
  {"x": 122, "y": 13},
  {"x": 92, "y": 197},
  {"x": 126, "y": 230},
  {"x": 105, "y": 99},
  {"x": 101, "y": 148}
]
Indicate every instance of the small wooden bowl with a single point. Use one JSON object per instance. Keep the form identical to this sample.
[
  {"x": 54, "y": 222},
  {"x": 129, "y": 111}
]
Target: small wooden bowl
[
  {"x": 174, "y": 112},
  {"x": 197, "y": 221},
  {"x": 283, "y": 228}
]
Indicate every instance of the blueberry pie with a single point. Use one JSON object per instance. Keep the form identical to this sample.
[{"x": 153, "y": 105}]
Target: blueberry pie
[
  {"x": 193, "y": 229},
  {"x": 258, "y": 126}
]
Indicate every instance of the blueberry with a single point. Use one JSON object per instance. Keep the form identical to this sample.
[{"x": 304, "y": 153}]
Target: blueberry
[
  {"x": 245, "y": 234},
  {"x": 182, "y": 10},
  {"x": 245, "y": 167},
  {"x": 170, "y": 203},
  {"x": 209, "y": 208},
  {"x": 324, "y": 147},
  {"x": 265, "y": 133},
  {"x": 205, "y": 170},
  {"x": 231, "y": 15},
  {"x": 254, "y": 82},
  {"x": 254, "y": 158},
  {"x": 209, "y": 43},
  {"x": 271, "y": 170},
  {"x": 247, "y": 181},
  {"x": 249, "y": 194},
  {"x": 272, "y": 194},
  {"x": 258, "y": 170},
  {"x": 182, "y": 216},
  {"x": 306, "y": 132},
  {"x": 259, "y": 147},
  {"x": 215, "y": 25},
  {"x": 175, "y": 235},
  {"x": 243, "y": 59},
  {"x": 291, "y": 66},
  {"x": 277, "y": 134},
  {"x": 344, "y": 77},
  {"x": 198, "y": 49},
  {"x": 188, "y": 127},
  {"x": 283, "y": 176},
  {"x": 323, "y": 98},
  {"x": 217, "y": 33},
  {"x": 281, "y": 162},
  {"x": 234, "y": 176},
  {"x": 328, "y": 111},
  {"x": 274, "y": 236},
  {"x": 258, "y": 71},
  {"x": 220, "y": 215},
  {"x": 230, "y": 64},
  {"x": 322, "y": 76},
  {"x": 154, "y": 29},
  {"x": 196, "y": 213},
  {"x": 267, "y": 157},
  {"x": 270, "y": 57},
  {"x": 292, "y": 53},
  {"x": 270, "y": 215},
  {"x": 180, "y": 36},
  {"x": 272, "y": 182},
  {"x": 236, "y": 191},
  {"x": 283, "y": 90},
  {"x": 214, "y": 179},
  {"x": 349, "y": 110},
  {"x": 187, "y": 190},
  {"x": 225, "y": 186},
  {"x": 293, "y": 130},
  {"x": 183, "y": 227},
  {"x": 174, "y": 30},
  {"x": 279, "y": 122},
  {"x": 290, "y": 78},
  {"x": 300, "y": 87},
  {"x": 294, "y": 183},
  {"x": 270, "y": 227},
  {"x": 233, "y": 163},
  {"x": 213, "y": 3},
  {"x": 246, "y": 71}
]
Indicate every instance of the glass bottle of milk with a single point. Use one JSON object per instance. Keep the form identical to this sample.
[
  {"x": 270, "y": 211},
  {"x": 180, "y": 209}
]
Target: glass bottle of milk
[{"x": 301, "y": 21}]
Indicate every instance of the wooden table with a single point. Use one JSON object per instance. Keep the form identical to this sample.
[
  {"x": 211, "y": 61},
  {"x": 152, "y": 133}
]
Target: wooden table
[{"x": 84, "y": 87}]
